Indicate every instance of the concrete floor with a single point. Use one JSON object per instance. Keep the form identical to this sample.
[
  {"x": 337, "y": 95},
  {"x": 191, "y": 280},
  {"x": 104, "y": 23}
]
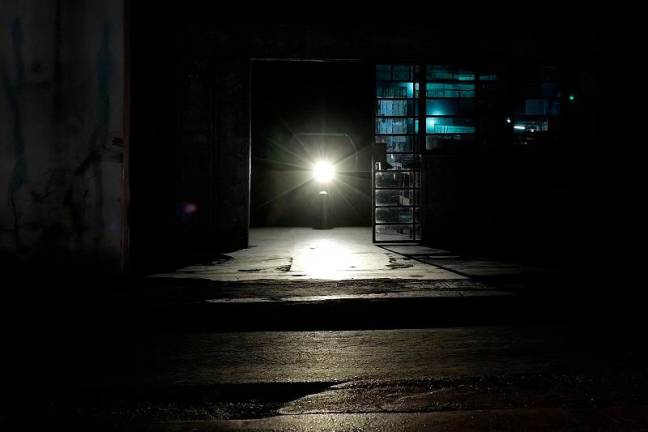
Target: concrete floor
[{"x": 304, "y": 253}]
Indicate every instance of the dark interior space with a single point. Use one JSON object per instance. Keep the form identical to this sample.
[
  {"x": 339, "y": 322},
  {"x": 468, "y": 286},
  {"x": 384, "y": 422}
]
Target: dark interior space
[
  {"x": 303, "y": 112},
  {"x": 515, "y": 190},
  {"x": 166, "y": 267},
  {"x": 535, "y": 200},
  {"x": 167, "y": 180}
]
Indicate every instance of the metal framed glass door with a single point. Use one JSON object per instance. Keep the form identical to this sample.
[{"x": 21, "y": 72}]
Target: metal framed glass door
[{"x": 396, "y": 178}]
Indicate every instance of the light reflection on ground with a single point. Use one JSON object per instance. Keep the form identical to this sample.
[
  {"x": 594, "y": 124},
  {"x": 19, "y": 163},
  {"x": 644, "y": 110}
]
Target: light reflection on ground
[
  {"x": 305, "y": 253},
  {"x": 325, "y": 259}
]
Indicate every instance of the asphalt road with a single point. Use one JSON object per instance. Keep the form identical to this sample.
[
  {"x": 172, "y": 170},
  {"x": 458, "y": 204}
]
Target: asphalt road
[
  {"x": 458, "y": 378},
  {"x": 339, "y": 356},
  {"x": 529, "y": 420}
]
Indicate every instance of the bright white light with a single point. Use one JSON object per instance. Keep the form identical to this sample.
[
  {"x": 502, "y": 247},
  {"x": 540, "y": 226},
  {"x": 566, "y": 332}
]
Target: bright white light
[
  {"x": 326, "y": 259},
  {"x": 323, "y": 171}
]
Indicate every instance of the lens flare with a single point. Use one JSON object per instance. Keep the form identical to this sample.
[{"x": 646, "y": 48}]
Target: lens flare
[{"x": 323, "y": 171}]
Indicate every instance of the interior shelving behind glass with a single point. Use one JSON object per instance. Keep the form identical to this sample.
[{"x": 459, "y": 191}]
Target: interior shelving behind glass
[
  {"x": 449, "y": 107},
  {"x": 396, "y": 179}
]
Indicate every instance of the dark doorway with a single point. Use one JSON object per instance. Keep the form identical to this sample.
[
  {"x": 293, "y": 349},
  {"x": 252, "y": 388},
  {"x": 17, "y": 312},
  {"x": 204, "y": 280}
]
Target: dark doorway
[{"x": 303, "y": 112}]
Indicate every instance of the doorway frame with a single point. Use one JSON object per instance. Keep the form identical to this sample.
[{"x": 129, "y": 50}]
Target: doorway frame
[{"x": 370, "y": 116}]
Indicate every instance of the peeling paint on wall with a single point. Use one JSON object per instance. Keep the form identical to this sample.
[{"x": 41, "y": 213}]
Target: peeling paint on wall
[{"x": 63, "y": 87}]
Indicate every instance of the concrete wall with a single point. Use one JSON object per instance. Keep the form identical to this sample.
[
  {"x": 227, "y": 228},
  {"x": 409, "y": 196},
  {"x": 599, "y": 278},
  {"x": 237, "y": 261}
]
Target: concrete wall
[{"x": 61, "y": 133}]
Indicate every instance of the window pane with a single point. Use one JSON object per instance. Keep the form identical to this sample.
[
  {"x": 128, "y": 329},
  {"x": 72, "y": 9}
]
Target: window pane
[
  {"x": 396, "y": 72},
  {"x": 397, "y": 108},
  {"x": 386, "y": 179},
  {"x": 395, "y": 90},
  {"x": 394, "y": 232},
  {"x": 488, "y": 77},
  {"x": 541, "y": 107},
  {"x": 400, "y": 161},
  {"x": 531, "y": 126},
  {"x": 385, "y": 125},
  {"x": 396, "y": 143},
  {"x": 449, "y": 73},
  {"x": 448, "y": 142},
  {"x": 403, "y": 72},
  {"x": 448, "y": 107},
  {"x": 445, "y": 90},
  {"x": 394, "y": 215},
  {"x": 444, "y": 125},
  {"x": 403, "y": 197},
  {"x": 383, "y": 72}
]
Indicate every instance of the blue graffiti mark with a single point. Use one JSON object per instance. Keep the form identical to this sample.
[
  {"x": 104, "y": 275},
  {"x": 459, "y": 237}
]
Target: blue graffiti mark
[{"x": 13, "y": 91}]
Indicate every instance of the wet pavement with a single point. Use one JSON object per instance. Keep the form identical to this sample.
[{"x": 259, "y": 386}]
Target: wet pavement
[
  {"x": 323, "y": 330},
  {"x": 400, "y": 379},
  {"x": 530, "y": 420},
  {"x": 193, "y": 359}
]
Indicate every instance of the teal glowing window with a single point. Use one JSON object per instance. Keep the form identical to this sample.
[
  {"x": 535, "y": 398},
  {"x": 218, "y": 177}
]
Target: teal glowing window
[
  {"x": 453, "y": 125},
  {"x": 393, "y": 90},
  {"x": 395, "y": 125},
  {"x": 398, "y": 107},
  {"x": 450, "y": 90},
  {"x": 449, "y": 73},
  {"x": 396, "y": 72},
  {"x": 449, "y": 107},
  {"x": 488, "y": 77}
]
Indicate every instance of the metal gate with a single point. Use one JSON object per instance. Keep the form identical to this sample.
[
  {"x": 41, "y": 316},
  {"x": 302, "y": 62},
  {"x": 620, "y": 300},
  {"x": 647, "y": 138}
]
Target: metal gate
[{"x": 396, "y": 154}]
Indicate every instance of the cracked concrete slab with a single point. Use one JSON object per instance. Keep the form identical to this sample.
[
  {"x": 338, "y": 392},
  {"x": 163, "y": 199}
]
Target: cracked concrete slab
[
  {"x": 481, "y": 267},
  {"x": 345, "y": 253},
  {"x": 474, "y": 393},
  {"x": 415, "y": 249},
  {"x": 200, "y": 289}
]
